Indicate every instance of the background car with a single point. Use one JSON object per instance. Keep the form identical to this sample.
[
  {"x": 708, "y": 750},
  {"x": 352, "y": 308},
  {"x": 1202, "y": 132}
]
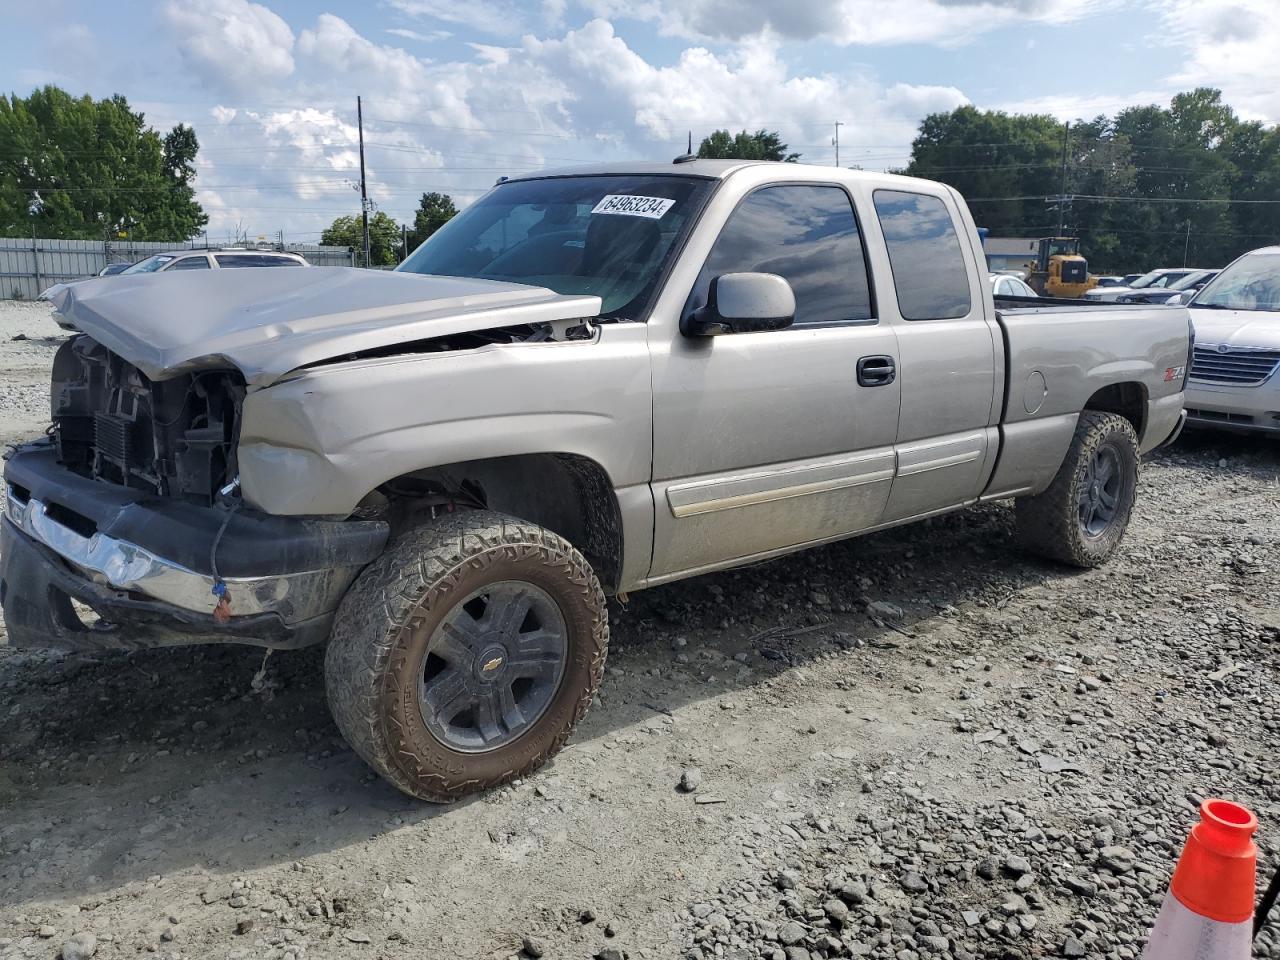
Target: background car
[
  {"x": 1170, "y": 294},
  {"x": 111, "y": 269},
  {"x": 1008, "y": 285},
  {"x": 1109, "y": 281},
  {"x": 1235, "y": 368},
  {"x": 1159, "y": 279},
  {"x": 216, "y": 259}
]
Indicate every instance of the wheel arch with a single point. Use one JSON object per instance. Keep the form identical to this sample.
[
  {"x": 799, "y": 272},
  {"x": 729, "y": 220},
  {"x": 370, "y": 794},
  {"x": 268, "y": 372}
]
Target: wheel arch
[
  {"x": 569, "y": 494},
  {"x": 1128, "y": 399}
]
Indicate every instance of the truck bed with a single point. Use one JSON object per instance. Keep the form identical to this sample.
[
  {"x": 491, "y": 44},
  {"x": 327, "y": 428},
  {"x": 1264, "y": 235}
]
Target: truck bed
[{"x": 1063, "y": 356}]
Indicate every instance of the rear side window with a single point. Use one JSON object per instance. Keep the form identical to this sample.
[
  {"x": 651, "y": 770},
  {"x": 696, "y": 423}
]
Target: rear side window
[
  {"x": 254, "y": 260},
  {"x": 929, "y": 272},
  {"x": 191, "y": 263},
  {"x": 805, "y": 234}
]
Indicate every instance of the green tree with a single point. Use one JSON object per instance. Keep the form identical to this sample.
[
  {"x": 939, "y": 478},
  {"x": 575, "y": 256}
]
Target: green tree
[
  {"x": 1152, "y": 185},
  {"x": 384, "y": 238},
  {"x": 80, "y": 168},
  {"x": 1254, "y": 155},
  {"x": 434, "y": 211},
  {"x": 997, "y": 159},
  {"x": 761, "y": 145}
]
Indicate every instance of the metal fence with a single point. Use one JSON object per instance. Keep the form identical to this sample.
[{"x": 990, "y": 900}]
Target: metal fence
[{"x": 28, "y": 266}]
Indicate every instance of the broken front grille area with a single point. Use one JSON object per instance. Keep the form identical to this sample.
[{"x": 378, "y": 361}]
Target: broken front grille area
[{"x": 173, "y": 438}]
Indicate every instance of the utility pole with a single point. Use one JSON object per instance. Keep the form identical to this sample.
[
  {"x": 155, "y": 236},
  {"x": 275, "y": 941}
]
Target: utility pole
[
  {"x": 836, "y": 141},
  {"x": 404, "y": 241},
  {"x": 1062, "y": 198},
  {"x": 35, "y": 256},
  {"x": 364, "y": 194},
  {"x": 1186, "y": 247}
]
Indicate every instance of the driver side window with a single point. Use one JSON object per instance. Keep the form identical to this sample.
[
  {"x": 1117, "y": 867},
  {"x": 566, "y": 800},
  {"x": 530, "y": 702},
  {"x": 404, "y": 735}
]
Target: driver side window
[{"x": 807, "y": 235}]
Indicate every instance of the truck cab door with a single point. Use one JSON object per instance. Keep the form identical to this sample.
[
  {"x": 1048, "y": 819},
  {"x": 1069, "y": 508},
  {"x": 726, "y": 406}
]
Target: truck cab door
[
  {"x": 951, "y": 354},
  {"x": 771, "y": 440}
]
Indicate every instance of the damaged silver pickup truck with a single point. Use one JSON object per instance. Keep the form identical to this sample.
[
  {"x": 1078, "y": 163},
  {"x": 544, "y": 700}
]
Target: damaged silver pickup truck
[{"x": 588, "y": 382}]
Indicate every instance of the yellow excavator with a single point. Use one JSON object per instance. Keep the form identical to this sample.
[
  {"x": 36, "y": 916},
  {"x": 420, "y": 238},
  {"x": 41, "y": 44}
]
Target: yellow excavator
[{"x": 1060, "y": 271}]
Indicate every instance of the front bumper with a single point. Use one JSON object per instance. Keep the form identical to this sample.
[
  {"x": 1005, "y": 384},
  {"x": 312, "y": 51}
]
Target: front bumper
[
  {"x": 1246, "y": 409},
  {"x": 142, "y": 564}
]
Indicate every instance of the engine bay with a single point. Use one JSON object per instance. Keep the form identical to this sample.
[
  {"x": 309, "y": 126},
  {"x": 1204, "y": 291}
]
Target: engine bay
[{"x": 174, "y": 438}]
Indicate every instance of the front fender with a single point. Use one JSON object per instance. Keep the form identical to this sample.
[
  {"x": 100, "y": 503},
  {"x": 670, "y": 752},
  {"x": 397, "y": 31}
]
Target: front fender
[{"x": 318, "y": 442}]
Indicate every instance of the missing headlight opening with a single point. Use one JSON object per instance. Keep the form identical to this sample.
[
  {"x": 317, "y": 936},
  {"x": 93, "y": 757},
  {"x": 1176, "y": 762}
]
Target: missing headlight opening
[{"x": 174, "y": 437}]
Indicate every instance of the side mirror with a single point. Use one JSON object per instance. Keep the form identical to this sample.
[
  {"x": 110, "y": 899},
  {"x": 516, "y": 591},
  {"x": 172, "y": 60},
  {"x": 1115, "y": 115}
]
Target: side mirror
[{"x": 744, "y": 303}]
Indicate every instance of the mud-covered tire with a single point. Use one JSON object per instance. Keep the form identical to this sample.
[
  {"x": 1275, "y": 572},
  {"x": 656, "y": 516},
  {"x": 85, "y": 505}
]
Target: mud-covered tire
[
  {"x": 1052, "y": 523},
  {"x": 375, "y": 657}
]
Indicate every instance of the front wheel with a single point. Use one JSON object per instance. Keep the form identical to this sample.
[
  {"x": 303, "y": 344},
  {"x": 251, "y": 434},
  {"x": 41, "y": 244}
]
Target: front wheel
[
  {"x": 465, "y": 655},
  {"x": 1082, "y": 517}
]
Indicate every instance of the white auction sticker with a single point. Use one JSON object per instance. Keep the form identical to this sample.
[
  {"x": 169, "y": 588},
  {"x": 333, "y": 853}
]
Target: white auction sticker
[{"x": 622, "y": 205}]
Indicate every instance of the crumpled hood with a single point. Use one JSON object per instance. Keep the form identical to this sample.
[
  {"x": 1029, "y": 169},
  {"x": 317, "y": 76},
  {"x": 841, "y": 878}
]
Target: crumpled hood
[
  {"x": 1238, "y": 328},
  {"x": 267, "y": 322}
]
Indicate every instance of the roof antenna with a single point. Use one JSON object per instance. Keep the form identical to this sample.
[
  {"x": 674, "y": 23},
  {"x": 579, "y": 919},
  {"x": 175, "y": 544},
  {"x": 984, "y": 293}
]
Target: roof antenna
[{"x": 688, "y": 155}]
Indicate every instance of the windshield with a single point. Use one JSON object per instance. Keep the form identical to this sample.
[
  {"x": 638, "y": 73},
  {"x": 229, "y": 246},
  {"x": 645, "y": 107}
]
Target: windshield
[
  {"x": 1251, "y": 283},
  {"x": 151, "y": 264},
  {"x": 605, "y": 236},
  {"x": 1191, "y": 279},
  {"x": 1156, "y": 278}
]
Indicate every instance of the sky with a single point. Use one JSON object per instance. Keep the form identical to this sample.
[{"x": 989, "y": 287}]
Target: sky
[{"x": 460, "y": 92}]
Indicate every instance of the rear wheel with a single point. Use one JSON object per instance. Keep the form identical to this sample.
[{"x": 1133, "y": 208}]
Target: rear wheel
[
  {"x": 1082, "y": 517},
  {"x": 464, "y": 656}
]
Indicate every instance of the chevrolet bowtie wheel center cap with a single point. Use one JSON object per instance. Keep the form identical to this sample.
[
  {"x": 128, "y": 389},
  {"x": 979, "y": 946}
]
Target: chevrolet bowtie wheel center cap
[{"x": 492, "y": 666}]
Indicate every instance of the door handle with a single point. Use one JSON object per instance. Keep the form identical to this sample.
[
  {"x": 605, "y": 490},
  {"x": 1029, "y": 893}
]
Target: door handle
[{"x": 878, "y": 371}]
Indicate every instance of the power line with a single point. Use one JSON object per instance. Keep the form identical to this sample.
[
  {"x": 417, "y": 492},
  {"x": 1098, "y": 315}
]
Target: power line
[
  {"x": 1086, "y": 196},
  {"x": 1036, "y": 231}
]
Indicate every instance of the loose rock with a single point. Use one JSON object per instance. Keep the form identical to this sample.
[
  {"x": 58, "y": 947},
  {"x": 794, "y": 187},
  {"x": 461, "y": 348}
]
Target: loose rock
[
  {"x": 690, "y": 779},
  {"x": 80, "y": 946}
]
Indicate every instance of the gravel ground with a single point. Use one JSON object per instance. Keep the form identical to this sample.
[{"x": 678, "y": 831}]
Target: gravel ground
[
  {"x": 917, "y": 744},
  {"x": 28, "y": 338}
]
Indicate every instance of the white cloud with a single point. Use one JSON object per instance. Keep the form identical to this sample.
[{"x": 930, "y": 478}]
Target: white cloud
[
  {"x": 576, "y": 96},
  {"x": 335, "y": 44},
  {"x": 403, "y": 87},
  {"x": 1231, "y": 44},
  {"x": 419, "y": 35},
  {"x": 614, "y": 91},
  {"x": 232, "y": 44},
  {"x": 554, "y": 10},
  {"x": 845, "y": 22},
  {"x": 1073, "y": 107},
  {"x": 498, "y": 17}
]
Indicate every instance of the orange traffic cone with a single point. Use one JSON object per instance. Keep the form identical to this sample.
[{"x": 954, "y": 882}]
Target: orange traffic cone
[{"x": 1208, "y": 911}]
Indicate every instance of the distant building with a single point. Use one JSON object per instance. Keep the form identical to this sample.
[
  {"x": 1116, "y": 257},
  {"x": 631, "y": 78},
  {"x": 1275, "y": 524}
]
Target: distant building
[{"x": 1011, "y": 253}]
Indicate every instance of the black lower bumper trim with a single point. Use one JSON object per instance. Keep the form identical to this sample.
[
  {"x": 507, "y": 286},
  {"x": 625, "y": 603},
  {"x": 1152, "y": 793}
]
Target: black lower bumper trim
[
  {"x": 1177, "y": 430},
  {"x": 36, "y": 590},
  {"x": 251, "y": 545}
]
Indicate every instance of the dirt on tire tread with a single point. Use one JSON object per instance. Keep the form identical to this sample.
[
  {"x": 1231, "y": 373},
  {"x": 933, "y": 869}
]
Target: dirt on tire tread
[
  {"x": 380, "y": 603},
  {"x": 1047, "y": 524}
]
